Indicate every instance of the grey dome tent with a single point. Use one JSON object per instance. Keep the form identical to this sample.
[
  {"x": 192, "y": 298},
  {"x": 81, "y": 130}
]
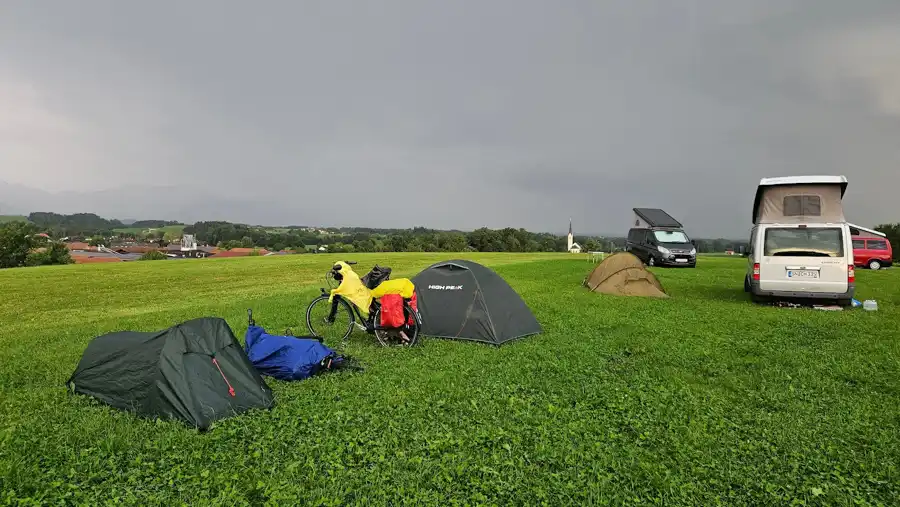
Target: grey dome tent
[
  {"x": 195, "y": 372},
  {"x": 464, "y": 300}
]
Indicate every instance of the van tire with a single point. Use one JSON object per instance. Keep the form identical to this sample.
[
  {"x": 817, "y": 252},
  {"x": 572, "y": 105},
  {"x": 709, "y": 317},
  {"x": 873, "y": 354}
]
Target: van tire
[
  {"x": 746, "y": 284},
  {"x": 651, "y": 262},
  {"x": 874, "y": 264}
]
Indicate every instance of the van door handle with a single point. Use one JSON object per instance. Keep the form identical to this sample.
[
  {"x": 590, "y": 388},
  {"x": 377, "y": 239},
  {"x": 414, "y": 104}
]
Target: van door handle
[{"x": 810, "y": 268}]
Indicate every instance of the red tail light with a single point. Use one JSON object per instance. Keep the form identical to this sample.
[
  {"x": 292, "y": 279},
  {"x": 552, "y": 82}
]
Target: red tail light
[
  {"x": 756, "y": 271},
  {"x": 851, "y": 273}
]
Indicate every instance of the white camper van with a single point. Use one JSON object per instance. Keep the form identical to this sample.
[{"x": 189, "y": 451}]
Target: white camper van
[{"x": 800, "y": 244}]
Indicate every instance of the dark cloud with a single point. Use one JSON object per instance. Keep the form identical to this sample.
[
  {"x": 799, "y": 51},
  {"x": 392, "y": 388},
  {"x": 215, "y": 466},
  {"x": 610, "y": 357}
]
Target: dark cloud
[{"x": 449, "y": 114}]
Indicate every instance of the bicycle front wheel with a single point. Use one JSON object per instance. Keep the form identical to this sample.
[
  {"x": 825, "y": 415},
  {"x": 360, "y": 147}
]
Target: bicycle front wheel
[{"x": 330, "y": 321}]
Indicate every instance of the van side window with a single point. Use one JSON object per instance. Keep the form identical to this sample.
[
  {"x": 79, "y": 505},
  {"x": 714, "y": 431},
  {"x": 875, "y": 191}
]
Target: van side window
[
  {"x": 859, "y": 244},
  {"x": 802, "y": 206},
  {"x": 877, "y": 244}
]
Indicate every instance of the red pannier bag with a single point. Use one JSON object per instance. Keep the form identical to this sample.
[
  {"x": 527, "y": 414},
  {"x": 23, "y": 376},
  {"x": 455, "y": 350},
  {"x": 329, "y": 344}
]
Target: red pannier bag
[
  {"x": 415, "y": 307},
  {"x": 392, "y": 311}
]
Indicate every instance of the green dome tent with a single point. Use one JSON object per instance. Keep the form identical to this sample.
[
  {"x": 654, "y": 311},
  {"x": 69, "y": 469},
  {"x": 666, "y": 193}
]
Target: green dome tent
[
  {"x": 464, "y": 300},
  {"x": 195, "y": 372}
]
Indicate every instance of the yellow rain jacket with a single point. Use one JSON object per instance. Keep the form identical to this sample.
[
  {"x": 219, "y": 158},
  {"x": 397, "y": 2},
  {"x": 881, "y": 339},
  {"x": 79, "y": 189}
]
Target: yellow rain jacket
[
  {"x": 402, "y": 286},
  {"x": 352, "y": 289}
]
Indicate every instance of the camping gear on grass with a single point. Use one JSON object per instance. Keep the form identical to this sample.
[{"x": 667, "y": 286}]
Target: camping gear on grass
[
  {"x": 332, "y": 316},
  {"x": 391, "y": 311},
  {"x": 195, "y": 372},
  {"x": 623, "y": 274},
  {"x": 402, "y": 287},
  {"x": 464, "y": 300},
  {"x": 350, "y": 287},
  {"x": 376, "y": 276},
  {"x": 290, "y": 357}
]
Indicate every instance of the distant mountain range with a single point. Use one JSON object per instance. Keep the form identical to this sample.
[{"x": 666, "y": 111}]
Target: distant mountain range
[
  {"x": 179, "y": 203},
  {"x": 170, "y": 202}
]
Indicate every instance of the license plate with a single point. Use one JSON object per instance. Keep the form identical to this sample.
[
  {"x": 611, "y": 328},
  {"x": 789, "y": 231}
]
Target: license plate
[
  {"x": 802, "y": 273},
  {"x": 681, "y": 260}
]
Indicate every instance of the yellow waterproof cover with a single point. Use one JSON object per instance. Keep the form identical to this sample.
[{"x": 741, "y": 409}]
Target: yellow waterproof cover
[
  {"x": 352, "y": 289},
  {"x": 402, "y": 286}
]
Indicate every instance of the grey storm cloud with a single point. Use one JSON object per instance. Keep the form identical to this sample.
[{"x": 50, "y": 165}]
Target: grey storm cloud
[{"x": 446, "y": 114}]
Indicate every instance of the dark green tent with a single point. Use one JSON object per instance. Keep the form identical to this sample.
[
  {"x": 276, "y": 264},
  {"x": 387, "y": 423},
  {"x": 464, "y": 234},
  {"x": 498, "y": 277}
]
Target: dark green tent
[
  {"x": 464, "y": 300},
  {"x": 195, "y": 371}
]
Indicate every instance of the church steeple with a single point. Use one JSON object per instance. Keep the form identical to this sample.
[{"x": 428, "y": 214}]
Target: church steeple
[{"x": 570, "y": 226}]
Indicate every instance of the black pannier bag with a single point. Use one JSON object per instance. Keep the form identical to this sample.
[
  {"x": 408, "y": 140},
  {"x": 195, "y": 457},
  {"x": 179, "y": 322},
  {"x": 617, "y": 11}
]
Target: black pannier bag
[{"x": 376, "y": 276}]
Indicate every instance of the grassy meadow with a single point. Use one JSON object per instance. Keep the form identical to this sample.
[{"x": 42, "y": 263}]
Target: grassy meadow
[{"x": 700, "y": 399}]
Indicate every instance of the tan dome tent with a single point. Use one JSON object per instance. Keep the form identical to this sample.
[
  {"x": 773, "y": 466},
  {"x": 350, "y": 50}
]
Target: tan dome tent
[{"x": 623, "y": 274}]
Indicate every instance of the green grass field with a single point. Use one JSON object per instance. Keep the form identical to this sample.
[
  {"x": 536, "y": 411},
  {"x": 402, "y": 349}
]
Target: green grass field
[{"x": 701, "y": 399}]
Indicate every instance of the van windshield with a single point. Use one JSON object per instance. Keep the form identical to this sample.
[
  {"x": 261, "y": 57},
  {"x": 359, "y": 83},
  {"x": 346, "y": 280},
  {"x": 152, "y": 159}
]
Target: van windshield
[
  {"x": 671, "y": 237},
  {"x": 807, "y": 242}
]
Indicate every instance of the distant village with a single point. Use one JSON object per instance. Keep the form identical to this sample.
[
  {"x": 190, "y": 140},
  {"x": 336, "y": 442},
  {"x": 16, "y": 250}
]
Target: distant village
[{"x": 187, "y": 248}]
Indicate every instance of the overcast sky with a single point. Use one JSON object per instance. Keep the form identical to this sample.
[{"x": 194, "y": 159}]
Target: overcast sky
[{"x": 454, "y": 114}]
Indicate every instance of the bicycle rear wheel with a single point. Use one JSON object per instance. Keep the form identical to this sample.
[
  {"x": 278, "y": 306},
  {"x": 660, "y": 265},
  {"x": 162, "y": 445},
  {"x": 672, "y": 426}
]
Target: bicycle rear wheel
[
  {"x": 332, "y": 322},
  {"x": 407, "y": 335}
]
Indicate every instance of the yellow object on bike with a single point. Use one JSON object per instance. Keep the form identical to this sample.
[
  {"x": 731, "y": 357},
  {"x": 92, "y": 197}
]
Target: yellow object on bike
[
  {"x": 352, "y": 289},
  {"x": 402, "y": 286}
]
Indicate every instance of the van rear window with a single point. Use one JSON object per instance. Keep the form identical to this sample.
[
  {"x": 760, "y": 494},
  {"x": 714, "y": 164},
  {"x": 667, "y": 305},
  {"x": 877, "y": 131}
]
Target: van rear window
[{"x": 804, "y": 242}]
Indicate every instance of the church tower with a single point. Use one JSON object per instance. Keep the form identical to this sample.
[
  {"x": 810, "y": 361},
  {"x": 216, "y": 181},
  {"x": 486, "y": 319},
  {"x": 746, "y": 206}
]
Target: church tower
[{"x": 572, "y": 246}]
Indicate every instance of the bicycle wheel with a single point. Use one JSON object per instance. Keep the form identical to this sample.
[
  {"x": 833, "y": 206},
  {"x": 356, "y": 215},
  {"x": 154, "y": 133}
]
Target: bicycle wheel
[
  {"x": 407, "y": 335},
  {"x": 331, "y": 321}
]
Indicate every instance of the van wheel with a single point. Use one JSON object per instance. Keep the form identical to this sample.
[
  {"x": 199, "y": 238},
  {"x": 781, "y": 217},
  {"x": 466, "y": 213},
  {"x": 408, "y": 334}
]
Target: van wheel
[
  {"x": 746, "y": 284},
  {"x": 874, "y": 265},
  {"x": 651, "y": 262}
]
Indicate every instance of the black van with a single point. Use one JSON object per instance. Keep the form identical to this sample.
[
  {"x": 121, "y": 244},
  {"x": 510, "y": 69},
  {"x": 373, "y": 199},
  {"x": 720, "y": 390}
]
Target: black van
[{"x": 657, "y": 239}]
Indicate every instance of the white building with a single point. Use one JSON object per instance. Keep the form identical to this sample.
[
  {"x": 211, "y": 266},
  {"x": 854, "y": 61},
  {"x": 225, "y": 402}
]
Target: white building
[{"x": 572, "y": 247}]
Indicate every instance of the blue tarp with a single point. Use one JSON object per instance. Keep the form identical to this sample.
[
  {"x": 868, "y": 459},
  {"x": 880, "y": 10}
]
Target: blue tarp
[{"x": 284, "y": 357}]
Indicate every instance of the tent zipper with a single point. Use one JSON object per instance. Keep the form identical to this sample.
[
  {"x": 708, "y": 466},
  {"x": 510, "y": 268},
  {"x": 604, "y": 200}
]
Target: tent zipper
[{"x": 230, "y": 389}]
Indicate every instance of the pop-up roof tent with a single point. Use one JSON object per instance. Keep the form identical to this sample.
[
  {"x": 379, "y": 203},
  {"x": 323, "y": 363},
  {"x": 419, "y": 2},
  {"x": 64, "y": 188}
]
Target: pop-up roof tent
[
  {"x": 646, "y": 218},
  {"x": 863, "y": 232},
  {"x": 798, "y": 199}
]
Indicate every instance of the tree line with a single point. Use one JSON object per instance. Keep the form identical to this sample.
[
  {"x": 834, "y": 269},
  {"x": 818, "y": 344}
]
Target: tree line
[
  {"x": 21, "y": 245},
  {"x": 356, "y": 239}
]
